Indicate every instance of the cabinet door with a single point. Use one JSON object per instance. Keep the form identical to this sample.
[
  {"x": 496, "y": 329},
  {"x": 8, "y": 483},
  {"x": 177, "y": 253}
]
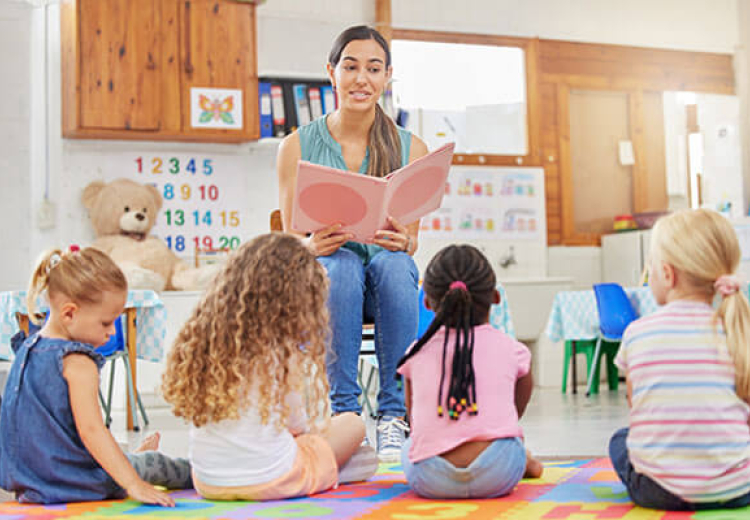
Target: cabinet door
[
  {"x": 218, "y": 51},
  {"x": 122, "y": 62}
]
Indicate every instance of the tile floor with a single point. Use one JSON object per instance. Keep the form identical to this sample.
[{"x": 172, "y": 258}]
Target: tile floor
[{"x": 555, "y": 425}]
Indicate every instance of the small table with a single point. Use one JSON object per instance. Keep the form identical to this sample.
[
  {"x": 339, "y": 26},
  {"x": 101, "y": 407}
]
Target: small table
[
  {"x": 574, "y": 316},
  {"x": 144, "y": 332},
  {"x": 500, "y": 317}
]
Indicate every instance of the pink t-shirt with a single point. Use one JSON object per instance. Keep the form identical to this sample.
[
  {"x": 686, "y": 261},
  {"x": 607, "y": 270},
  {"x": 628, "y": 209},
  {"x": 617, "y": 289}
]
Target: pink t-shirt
[{"x": 498, "y": 363}]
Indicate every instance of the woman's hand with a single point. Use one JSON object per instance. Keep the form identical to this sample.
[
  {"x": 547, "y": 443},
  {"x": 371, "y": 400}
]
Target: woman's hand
[
  {"x": 398, "y": 239},
  {"x": 327, "y": 241}
]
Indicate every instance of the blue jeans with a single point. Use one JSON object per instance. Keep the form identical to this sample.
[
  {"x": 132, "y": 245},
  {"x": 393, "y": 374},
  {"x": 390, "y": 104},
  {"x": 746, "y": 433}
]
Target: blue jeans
[
  {"x": 647, "y": 493},
  {"x": 384, "y": 290},
  {"x": 494, "y": 473}
]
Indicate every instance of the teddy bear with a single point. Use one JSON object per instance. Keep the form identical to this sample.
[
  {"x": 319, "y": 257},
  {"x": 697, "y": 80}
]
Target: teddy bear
[{"x": 122, "y": 213}]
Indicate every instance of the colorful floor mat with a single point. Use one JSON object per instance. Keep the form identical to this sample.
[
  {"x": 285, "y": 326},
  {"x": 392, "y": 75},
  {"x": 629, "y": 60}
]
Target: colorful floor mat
[{"x": 575, "y": 490}]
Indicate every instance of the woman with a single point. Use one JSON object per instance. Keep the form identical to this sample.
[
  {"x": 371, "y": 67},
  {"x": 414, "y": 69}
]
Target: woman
[{"x": 378, "y": 280}]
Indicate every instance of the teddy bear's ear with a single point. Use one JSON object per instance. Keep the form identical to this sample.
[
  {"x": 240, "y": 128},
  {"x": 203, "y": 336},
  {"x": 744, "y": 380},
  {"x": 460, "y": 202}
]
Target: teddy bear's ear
[
  {"x": 156, "y": 195},
  {"x": 91, "y": 192}
]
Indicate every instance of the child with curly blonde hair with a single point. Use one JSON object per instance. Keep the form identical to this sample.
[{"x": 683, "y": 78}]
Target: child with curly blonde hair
[
  {"x": 239, "y": 371},
  {"x": 54, "y": 446}
]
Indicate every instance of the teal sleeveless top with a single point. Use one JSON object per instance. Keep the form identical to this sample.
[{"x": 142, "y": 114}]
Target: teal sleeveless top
[{"x": 319, "y": 147}]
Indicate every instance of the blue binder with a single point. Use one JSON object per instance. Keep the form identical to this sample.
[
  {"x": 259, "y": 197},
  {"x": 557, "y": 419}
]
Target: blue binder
[
  {"x": 328, "y": 99},
  {"x": 301, "y": 104},
  {"x": 265, "y": 112}
]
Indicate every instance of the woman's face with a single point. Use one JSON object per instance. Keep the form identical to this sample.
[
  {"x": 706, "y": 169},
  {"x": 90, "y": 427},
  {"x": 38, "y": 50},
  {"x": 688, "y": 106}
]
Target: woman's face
[{"x": 360, "y": 75}]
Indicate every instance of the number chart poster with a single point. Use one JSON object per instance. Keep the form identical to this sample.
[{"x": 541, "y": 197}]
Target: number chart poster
[
  {"x": 204, "y": 196},
  {"x": 489, "y": 203}
]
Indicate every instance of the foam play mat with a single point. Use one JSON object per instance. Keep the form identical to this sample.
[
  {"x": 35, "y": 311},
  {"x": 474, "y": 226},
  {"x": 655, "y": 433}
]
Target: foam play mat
[{"x": 573, "y": 490}]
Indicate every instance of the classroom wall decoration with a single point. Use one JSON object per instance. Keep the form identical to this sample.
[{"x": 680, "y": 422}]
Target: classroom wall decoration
[
  {"x": 202, "y": 205},
  {"x": 486, "y": 203},
  {"x": 205, "y": 195},
  {"x": 216, "y": 108}
]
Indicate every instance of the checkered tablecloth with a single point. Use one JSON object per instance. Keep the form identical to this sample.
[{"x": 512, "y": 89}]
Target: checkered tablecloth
[
  {"x": 500, "y": 314},
  {"x": 574, "y": 315},
  {"x": 150, "y": 321}
]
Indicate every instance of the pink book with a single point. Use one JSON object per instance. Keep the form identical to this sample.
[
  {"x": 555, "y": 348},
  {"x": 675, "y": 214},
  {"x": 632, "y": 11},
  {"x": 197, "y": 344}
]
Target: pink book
[{"x": 362, "y": 203}]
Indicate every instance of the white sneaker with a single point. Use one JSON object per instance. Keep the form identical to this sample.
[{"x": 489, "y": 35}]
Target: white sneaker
[
  {"x": 361, "y": 466},
  {"x": 391, "y": 436}
]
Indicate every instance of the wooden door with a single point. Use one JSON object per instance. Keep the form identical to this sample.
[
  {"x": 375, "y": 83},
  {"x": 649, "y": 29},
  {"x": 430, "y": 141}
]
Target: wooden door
[
  {"x": 602, "y": 187},
  {"x": 122, "y": 62},
  {"x": 217, "y": 51}
]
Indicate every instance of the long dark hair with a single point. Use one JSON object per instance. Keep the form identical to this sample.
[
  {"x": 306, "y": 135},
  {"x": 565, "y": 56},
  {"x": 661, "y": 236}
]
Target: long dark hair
[
  {"x": 459, "y": 284},
  {"x": 385, "y": 143}
]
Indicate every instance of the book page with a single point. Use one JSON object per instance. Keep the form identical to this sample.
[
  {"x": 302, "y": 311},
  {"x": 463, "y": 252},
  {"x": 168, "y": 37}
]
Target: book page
[
  {"x": 418, "y": 188},
  {"x": 326, "y": 196}
]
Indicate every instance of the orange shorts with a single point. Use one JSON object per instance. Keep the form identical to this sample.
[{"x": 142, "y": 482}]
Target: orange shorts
[{"x": 314, "y": 470}]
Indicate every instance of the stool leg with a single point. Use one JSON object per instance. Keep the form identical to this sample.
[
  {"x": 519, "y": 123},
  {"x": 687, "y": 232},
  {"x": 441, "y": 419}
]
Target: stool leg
[
  {"x": 365, "y": 387},
  {"x": 593, "y": 372},
  {"x": 140, "y": 407},
  {"x": 131, "y": 393},
  {"x": 108, "y": 409},
  {"x": 574, "y": 368},
  {"x": 566, "y": 366},
  {"x": 613, "y": 375}
]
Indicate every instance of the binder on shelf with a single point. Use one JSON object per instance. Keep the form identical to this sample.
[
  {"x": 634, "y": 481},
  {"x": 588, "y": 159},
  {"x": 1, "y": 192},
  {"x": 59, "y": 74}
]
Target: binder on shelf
[
  {"x": 278, "y": 110},
  {"x": 316, "y": 106},
  {"x": 265, "y": 110},
  {"x": 328, "y": 99},
  {"x": 290, "y": 108},
  {"x": 301, "y": 104}
]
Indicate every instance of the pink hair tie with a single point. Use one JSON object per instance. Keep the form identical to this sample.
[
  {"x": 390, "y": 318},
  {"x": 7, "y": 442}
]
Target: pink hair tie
[
  {"x": 457, "y": 285},
  {"x": 727, "y": 284}
]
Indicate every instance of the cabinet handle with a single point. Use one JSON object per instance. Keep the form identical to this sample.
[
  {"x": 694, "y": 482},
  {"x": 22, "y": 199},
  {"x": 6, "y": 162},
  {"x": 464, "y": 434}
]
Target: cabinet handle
[{"x": 188, "y": 59}]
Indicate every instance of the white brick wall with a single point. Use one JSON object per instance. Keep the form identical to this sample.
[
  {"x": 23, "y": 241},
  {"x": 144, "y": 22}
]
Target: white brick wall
[{"x": 15, "y": 141}]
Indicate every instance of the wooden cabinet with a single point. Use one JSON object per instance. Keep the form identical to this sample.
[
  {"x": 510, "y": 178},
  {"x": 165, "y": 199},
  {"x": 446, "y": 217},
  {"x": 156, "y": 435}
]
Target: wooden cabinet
[{"x": 129, "y": 68}]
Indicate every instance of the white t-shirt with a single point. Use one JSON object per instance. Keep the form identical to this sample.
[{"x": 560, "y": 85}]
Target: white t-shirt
[{"x": 244, "y": 452}]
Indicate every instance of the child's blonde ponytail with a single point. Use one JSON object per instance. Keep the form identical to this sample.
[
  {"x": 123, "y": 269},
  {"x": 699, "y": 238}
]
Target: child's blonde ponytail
[
  {"x": 40, "y": 281},
  {"x": 734, "y": 313}
]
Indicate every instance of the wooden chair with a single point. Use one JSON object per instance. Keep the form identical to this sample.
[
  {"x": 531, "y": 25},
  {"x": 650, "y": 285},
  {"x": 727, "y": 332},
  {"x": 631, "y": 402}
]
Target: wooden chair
[{"x": 368, "y": 332}]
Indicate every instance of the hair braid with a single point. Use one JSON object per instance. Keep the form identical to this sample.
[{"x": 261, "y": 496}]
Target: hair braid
[{"x": 459, "y": 309}]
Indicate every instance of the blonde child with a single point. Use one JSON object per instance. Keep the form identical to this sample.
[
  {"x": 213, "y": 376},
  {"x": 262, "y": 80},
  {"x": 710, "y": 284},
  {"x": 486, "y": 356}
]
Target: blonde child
[
  {"x": 54, "y": 446},
  {"x": 688, "y": 374},
  {"x": 239, "y": 368},
  {"x": 466, "y": 386}
]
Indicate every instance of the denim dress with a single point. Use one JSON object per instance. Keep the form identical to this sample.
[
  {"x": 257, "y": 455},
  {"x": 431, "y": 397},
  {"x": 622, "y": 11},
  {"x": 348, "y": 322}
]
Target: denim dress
[{"x": 42, "y": 457}]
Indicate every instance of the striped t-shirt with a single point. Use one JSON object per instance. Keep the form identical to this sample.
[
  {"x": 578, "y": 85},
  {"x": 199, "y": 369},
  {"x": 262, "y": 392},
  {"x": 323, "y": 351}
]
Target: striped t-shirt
[{"x": 688, "y": 428}]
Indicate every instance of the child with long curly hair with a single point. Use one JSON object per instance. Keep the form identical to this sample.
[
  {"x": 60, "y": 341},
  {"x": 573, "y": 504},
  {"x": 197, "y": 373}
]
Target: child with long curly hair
[{"x": 248, "y": 371}]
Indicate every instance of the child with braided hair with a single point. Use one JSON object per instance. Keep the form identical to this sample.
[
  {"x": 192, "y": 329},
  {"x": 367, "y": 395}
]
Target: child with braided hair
[{"x": 466, "y": 385}]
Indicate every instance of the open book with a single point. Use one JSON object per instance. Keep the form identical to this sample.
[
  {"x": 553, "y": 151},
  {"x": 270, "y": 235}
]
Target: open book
[{"x": 361, "y": 203}]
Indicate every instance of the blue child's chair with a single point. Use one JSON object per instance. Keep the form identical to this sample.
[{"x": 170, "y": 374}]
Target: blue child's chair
[
  {"x": 425, "y": 315},
  {"x": 113, "y": 350},
  {"x": 615, "y": 314}
]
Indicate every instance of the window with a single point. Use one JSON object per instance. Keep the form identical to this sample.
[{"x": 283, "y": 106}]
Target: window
[{"x": 472, "y": 94}]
